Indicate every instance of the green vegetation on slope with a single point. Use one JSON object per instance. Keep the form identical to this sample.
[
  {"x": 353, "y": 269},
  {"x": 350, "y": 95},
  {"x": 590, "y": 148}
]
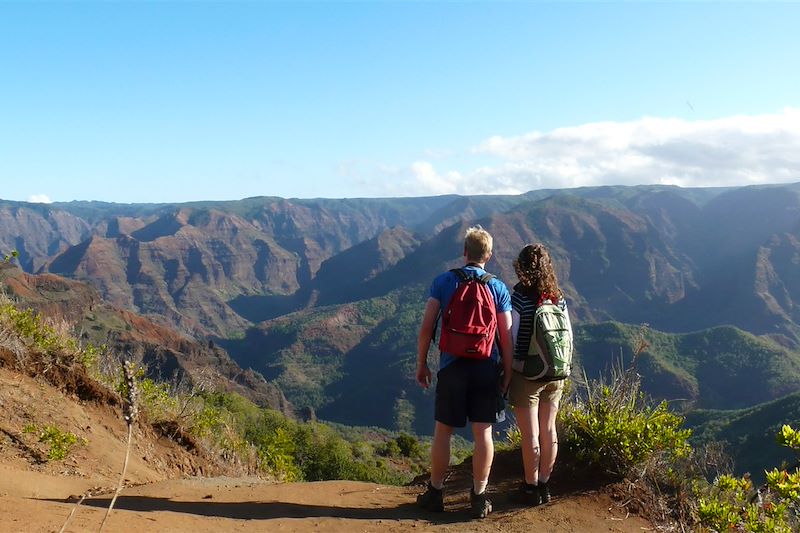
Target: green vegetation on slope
[
  {"x": 718, "y": 368},
  {"x": 735, "y": 504},
  {"x": 331, "y": 359},
  {"x": 748, "y": 433},
  {"x": 223, "y": 424},
  {"x": 351, "y": 362}
]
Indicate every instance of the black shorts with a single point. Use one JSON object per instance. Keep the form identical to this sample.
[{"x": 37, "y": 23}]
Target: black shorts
[{"x": 468, "y": 389}]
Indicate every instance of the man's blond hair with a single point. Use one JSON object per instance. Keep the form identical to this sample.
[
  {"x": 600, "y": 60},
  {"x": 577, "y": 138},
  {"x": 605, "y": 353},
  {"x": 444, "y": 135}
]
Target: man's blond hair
[{"x": 478, "y": 244}]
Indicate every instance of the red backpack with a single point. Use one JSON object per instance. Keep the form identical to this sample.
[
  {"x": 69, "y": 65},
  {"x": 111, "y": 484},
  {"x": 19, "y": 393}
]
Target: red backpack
[{"x": 469, "y": 322}]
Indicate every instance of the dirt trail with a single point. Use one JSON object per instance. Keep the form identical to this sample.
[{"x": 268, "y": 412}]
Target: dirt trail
[{"x": 227, "y": 504}]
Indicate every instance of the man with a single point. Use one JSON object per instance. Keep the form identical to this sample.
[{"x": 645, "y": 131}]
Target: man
[{"x": 467, "y": 388}]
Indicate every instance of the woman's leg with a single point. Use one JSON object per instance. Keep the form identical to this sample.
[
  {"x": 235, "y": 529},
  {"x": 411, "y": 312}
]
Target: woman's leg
[
  {"x": 528, "y": 423},
  {"x": 548, "y": 439}
]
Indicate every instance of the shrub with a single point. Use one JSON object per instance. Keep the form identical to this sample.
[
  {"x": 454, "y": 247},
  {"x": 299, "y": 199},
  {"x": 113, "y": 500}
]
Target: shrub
[
  {"x": 618, "y": 430},
  {"x": 205, "y": 420},
  {"x": 389, "y": 449},
  {"x": 312, "y": 451},
  {"x": 732, "y": 503},
  {"x": 614, "y": 427},
  {"x": 276, "y": 454},
  {"x": 325, "y": 455},
  {"x": 156, "y": 401},
  {"x": 60, "y": 442},
  {"x": 50, "y": 341},
  {"x": 29, "y": 326},
  {"x": 91, "y": 354},
  {"x": 512, "y": 437},
  {"x": 408, "y": 445}
]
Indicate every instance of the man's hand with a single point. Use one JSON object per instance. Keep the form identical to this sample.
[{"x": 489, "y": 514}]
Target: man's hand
[{"x": 424, "y": 376}]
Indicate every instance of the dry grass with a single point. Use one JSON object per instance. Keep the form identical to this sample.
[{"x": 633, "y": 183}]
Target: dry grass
[{"x": 130, "y": 412}]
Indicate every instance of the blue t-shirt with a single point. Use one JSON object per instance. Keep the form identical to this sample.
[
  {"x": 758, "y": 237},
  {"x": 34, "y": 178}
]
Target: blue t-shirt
[{"x": 443, "y": 288}]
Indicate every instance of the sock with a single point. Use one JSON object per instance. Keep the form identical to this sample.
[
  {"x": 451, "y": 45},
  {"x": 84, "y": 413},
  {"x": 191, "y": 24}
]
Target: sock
[
  {"x": 437, "y": 485},
  {"x": 480, "y": 486},
  {"x": 543, "y": 480}
]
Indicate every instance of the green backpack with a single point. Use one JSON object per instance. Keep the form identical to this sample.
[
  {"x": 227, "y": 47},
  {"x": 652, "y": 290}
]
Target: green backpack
[{"x": 549, "y": 356}]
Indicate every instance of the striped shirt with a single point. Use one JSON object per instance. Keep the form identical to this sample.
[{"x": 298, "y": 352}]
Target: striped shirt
[{"x": 523, "y": 308}]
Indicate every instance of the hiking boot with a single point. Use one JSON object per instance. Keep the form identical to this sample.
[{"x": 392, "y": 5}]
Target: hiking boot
[
  {"x": 481, "y": 505},
  {"x": 431, "y": 499},
  {"x": 544, "y": 492},
  {"x": 528, "y": 494}
]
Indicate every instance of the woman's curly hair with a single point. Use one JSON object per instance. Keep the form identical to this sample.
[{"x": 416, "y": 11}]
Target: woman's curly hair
[{"x": 535, "y": 270}]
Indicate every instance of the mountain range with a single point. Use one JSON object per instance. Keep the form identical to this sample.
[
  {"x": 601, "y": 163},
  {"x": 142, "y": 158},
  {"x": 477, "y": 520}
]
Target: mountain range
[
  {"x": 323, "y": 297},
  {"x": 168, "y": 355}
]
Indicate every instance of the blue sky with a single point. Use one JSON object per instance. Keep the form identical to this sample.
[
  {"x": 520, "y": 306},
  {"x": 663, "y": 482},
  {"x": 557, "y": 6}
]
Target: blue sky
[{"x": 164, "y": 102}]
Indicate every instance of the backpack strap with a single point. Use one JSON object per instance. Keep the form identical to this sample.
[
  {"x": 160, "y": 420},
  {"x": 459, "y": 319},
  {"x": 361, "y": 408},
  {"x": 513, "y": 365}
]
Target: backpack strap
[
  {"x": 436, "y": 326},
  {"x": 486, "y": 278},
  {"x": 463, "y": 276}
]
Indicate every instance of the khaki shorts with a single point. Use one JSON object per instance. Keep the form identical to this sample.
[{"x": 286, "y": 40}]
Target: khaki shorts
[{"x": 526, "y": 393}]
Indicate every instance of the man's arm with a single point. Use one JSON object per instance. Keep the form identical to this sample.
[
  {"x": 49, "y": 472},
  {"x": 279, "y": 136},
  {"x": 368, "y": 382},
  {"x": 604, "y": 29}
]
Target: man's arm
[
  {"x": 506, "y": 345},
  {"x": 424, "y": 341}
]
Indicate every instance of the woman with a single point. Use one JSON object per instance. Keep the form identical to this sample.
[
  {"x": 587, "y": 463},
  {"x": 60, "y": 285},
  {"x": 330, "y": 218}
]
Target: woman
[{"x": 535, "y": 403}]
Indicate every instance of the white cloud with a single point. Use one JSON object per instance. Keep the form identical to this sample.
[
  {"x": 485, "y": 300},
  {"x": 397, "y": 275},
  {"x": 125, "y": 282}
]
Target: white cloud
[
  {"x": 428, "y": 179},
  {"x": 738, "y": 150},
  {"x": 39, "y": 199}
]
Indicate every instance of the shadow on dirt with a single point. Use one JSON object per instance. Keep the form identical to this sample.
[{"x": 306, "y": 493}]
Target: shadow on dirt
[
  {"x": 504, "y": 481},
  {"x": 272, "y": 510}
]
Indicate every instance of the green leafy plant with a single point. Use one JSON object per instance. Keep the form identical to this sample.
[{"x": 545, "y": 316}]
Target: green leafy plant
[
  {"x": 404, "y": 445},
  {"x": 614, "y": 427},
  {"x": 732, "y": 503},
  {"x": 409, "y": 445},
  {"x": 52, "y": 342},
  {"x": 90, "y": 354},
  {"x": 276, "y": 454},
  {"x": 29, "y": 325},
  {"x": 59, "y": 442},
  {"x": 621, "y": 438},
  {"x": 206, "y": 420},
  {"x": 156, "y": 401},
  {"x": 312, "y": 451},
  {"x": 389, "y": 449},
  {"x": 510, "y": 438}
]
